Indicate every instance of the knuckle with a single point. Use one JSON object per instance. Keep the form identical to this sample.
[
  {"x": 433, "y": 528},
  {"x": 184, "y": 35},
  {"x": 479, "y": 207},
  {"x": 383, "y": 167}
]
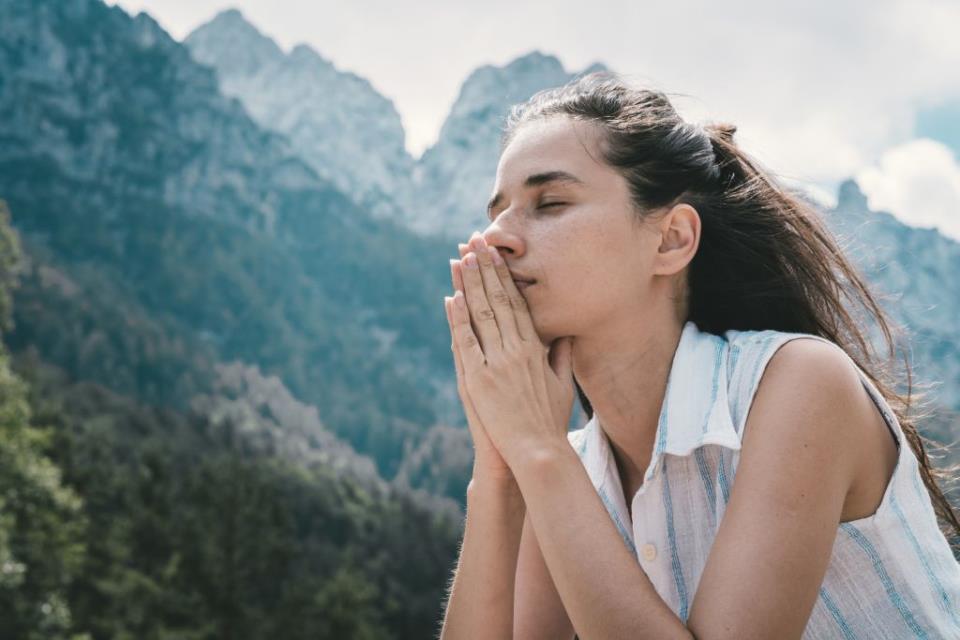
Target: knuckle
[
  {"x": 518, "y": 302},
  {"x": 486, "y": 313},
  {"x": 500, "y": 297}
]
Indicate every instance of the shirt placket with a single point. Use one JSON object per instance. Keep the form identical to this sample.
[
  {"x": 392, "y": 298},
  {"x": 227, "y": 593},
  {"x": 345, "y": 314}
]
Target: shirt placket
[{"x": 649, "y": 535}]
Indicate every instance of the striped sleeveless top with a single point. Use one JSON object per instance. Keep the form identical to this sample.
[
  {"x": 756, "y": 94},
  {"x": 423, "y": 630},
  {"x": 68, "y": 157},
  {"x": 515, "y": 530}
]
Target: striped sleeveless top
[{"x": 891, "y": 575}]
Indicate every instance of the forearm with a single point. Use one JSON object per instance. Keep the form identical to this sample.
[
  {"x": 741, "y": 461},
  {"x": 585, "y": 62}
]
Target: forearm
[
  {"x": 603, "y": 588},
  {"x": 481, "y": 598}
]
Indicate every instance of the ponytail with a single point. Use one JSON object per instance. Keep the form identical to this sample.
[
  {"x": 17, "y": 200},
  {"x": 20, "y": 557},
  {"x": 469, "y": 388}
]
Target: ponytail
[{"x": 766, "y": 259}]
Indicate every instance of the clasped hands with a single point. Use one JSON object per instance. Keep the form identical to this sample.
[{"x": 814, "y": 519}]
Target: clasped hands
[{"x": 517, "y": 393}]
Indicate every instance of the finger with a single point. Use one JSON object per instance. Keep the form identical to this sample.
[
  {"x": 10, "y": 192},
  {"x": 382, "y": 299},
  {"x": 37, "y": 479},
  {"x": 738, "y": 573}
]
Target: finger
[
  {"x": 468, "y": 346},
  {"x": 522, "y": 311},
  {"x": 523, "y": 323},
  {"x": 458, "y": 364},
  {"x": 456, "y": 273},
  {"x": 496, "y": 295},
  {"x": 484, "y": 318},
  {"x": 514, "y": 305}
]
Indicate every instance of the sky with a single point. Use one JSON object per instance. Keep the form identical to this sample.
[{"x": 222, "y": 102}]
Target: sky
[{"x": 820, "y": 91}]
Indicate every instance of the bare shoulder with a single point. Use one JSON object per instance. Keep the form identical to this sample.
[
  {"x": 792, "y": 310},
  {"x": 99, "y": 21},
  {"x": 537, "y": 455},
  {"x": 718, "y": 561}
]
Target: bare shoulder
[
  {"x": 799, "y": 457},
  {"x": 814, "y": 365},
  {"x": 810, "y": 395},
  {"x": 819, "y": 373}
]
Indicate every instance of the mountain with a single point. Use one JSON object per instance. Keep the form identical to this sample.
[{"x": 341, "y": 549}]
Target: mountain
[
  {"x": 353, "y": 135},
  {"x": 165, "y": 232},
  {"x": 457, "y": 174},
  {"x": 337, "y": 122},
  {"x": 913, "y": 269}
]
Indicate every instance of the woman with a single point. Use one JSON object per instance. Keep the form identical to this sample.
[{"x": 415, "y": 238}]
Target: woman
[{"x": 697, "y": 309}]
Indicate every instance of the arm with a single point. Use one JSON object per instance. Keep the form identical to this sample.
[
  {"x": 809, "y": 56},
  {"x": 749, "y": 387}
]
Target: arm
[
  {"x": 809, "y": 418},
  {"x": 538, "y": 611},
  {"x": 796, "y": 468},
  {"x": 605, "y": 592},
  {"x": 481, "y": 597}
]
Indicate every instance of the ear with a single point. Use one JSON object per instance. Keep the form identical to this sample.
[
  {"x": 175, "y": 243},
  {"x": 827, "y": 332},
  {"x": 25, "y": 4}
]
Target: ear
[{"x": 679, "y": 238}]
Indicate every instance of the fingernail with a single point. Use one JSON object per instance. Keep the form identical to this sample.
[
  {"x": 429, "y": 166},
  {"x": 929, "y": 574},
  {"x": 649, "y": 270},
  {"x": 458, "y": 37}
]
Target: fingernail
[
  {"x": 497, "y": 258},
  {"x": 470, "y": 260}
]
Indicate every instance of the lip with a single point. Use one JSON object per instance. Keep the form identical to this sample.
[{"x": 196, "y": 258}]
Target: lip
[
  {"x": 521, "y": 278},
  {"x": 523, "y": 284}
]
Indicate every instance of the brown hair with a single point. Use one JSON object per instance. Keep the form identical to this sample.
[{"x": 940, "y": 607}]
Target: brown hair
[{"x": 765, "y": 259}]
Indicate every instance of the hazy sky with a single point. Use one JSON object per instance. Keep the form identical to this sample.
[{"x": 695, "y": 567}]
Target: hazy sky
[{"x": 820, "y": 91}]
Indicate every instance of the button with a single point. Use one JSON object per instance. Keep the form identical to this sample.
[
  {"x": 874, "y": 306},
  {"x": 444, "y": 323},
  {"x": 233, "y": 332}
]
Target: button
[{"x": 648, "y": 551}]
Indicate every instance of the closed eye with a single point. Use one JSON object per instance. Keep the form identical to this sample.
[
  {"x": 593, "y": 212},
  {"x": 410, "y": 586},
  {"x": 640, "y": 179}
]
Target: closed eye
[{"x": 542, "y": 206}]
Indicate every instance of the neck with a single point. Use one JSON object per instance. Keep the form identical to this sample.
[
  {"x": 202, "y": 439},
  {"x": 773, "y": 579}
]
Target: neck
[{"x": 624, "y": 374}]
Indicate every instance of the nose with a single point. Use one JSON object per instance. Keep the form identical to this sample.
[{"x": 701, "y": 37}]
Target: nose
[{"x": 502, "y": 240}]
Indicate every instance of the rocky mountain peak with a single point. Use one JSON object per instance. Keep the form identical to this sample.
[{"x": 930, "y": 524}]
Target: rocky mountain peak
[
  {"x": 456, "y": 175},
  {"x": 333, "y": 118},
  {"x": 851, "y": 199},
  {"x": 232, "y": 45}
]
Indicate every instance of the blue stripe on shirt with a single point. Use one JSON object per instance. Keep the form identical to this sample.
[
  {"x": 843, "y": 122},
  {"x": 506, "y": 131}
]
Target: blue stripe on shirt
[
  {"x": 837, "y": 615},
  {"x": 707, "y": 483},
  {"x": 881, "y": 572},
  {"x": 935, "y": 583},
  {"x": 674, "y": 553}
]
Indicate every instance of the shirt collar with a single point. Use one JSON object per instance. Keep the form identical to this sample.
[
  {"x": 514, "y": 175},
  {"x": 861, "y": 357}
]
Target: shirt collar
[{"x": 695, "y": 411}]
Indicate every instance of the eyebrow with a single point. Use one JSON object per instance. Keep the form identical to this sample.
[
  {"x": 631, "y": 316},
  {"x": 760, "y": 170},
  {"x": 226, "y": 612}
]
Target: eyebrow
[{"x": 537, "y": 179}]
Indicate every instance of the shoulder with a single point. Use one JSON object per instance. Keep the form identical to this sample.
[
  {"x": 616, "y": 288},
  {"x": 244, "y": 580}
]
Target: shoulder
[
  {"x": 796, "y": 466},
  {"x": 769, "y": 361},
  {"x": 809, "y": 396},
  {"x": 812, "y": 364}
]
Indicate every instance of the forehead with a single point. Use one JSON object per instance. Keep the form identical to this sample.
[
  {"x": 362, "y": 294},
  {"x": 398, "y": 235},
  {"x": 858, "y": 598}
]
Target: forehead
[{"x": 556, "y": 143}]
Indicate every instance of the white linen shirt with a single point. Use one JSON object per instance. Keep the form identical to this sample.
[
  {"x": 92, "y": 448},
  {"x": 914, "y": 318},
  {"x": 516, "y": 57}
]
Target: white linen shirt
[{"x": 891, "y": 575}]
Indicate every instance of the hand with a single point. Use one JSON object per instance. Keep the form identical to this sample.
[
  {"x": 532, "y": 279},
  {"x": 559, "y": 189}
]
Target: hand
[
  {"x": 521, "y": 391},
  {"x": 487, "y": 462}
]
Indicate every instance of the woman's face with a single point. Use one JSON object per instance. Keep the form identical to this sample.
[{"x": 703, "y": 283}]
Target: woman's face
[{"x": 579, "y": 238}]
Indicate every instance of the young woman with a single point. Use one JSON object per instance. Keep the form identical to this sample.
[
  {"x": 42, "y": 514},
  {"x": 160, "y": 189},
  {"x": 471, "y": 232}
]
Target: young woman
[{"x": 743, "y": 473}]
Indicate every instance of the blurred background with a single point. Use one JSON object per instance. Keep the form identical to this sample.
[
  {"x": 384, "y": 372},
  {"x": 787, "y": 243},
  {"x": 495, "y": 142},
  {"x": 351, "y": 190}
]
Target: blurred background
[{"x": 227, "y": 400}]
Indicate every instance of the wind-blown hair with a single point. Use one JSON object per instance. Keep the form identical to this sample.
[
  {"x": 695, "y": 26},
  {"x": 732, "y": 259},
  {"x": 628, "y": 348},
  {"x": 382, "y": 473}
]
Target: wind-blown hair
[{"x": 765, "y": 260}]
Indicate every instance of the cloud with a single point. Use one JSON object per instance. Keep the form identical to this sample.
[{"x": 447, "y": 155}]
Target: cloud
[
  {"x": 818, "y": 89},
  {"x": 919, "y": 182}
]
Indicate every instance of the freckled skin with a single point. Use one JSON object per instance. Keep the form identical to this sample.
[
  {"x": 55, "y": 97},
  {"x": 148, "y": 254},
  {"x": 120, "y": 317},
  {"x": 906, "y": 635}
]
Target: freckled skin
[
  {"x": 584, "y": 254},
  {"x": 603, "y": 277}
]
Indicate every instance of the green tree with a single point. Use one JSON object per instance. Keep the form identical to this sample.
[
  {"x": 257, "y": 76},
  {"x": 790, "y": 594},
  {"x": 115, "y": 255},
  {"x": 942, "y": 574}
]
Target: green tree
[{"x": 41, "y": 522}]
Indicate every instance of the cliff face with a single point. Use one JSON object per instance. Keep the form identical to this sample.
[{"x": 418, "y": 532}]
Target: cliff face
[
  {"x": 217, "y": 230},
  {"x": 167, "y": 232},
  {"x": 457, "y": 174},
  {"x": 112, "y": 99},
  {"x": 914, "y": 271},
  {"x": 353, "y": 136},
  {"x": 336, "y": 121}
]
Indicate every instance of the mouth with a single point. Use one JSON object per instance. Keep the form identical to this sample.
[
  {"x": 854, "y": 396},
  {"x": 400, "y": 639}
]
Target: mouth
[{"x": 523, "y": 284}]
